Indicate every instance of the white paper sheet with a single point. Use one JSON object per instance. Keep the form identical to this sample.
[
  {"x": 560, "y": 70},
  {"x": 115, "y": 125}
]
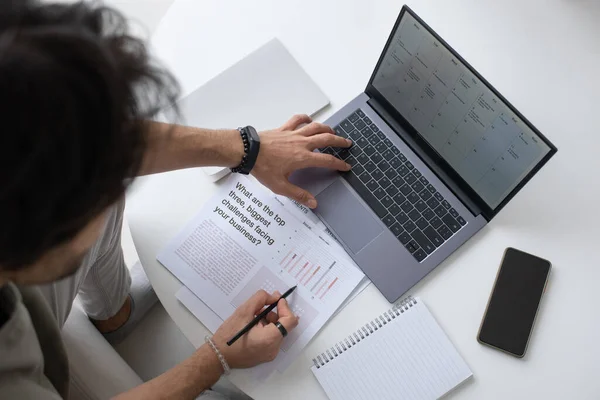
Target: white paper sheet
[{"x": 242, "y": 241}]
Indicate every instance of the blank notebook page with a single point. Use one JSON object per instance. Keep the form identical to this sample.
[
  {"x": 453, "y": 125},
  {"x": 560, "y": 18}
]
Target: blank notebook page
[{"x": 408, "y": 356}]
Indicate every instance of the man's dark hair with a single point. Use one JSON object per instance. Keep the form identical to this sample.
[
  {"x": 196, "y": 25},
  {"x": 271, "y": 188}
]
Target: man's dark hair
[{"x": 75, "y": 90}]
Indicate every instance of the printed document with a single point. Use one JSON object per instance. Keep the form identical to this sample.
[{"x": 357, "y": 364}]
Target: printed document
[{"x": 242, "y": 241}]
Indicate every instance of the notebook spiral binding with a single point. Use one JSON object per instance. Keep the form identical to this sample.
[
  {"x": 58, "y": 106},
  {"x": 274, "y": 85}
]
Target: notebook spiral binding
[{"x": 365, "y": 331}]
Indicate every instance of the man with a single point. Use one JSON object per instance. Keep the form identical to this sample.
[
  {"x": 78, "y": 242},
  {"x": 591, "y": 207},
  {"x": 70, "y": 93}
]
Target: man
[{"x": 77, "y": 95}]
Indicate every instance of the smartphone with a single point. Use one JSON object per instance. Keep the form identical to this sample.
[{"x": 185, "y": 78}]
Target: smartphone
[{"x": 513, "y": 305}]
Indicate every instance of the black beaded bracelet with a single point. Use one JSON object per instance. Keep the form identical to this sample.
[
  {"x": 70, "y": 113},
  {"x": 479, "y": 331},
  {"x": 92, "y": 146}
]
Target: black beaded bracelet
[{"x": 251, "y": 142}]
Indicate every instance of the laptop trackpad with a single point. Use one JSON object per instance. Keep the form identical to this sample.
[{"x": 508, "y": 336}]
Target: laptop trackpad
[{"x": 351, "y": 222}]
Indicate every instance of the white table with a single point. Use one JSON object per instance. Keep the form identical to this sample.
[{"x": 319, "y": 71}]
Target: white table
[{"x": 542, "y": 55}]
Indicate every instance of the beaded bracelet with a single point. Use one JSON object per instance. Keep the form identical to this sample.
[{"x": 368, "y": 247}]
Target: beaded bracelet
[{"x": 226, "y": 369}]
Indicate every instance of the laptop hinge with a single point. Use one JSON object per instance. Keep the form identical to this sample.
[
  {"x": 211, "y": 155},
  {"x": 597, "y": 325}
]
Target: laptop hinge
[{"x": 421, "y": 153}]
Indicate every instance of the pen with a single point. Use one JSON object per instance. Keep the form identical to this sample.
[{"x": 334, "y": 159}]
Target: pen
[{"x": 259, "y": 317}]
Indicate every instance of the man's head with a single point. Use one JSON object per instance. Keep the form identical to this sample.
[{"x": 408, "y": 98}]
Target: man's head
[{"x": 75, "y": 89}]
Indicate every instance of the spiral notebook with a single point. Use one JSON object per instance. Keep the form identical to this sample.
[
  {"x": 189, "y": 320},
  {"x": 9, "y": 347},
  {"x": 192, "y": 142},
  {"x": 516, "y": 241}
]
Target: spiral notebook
[{"x": 401, "y": 354}]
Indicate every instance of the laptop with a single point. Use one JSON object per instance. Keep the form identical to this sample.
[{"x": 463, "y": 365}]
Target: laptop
[{"x": 437, "y": 153}]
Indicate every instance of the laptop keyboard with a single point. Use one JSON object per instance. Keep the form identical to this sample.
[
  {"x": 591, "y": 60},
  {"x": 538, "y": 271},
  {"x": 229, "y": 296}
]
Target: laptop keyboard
[{"x": 414, "y": 211}]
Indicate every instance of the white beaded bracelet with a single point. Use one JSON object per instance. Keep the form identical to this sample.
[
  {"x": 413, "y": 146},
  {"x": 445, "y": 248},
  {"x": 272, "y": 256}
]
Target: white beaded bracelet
[{"x": 226, "y": 369}]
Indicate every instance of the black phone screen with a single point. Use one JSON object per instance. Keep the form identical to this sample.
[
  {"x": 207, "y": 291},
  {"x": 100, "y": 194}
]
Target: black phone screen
[{"x": 514, "y": 301}]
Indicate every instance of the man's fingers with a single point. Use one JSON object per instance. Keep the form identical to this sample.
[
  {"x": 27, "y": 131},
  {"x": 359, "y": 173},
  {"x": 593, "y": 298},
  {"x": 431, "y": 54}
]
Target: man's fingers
[
  {"x": 272, "y": 317},
  {"x": 300, "y": 195},
  {"x": 315, "y": 128},
  {"x": 286, "y": 316},
  {"x": 322, "y": 140},
  {"x": 257, "y": 302},
  {"x": 321, "y": 160},
  {"x": 295, "y": 122}
]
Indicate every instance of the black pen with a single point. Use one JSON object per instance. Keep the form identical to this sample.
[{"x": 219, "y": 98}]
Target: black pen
[{"x": 259, "y": 317}]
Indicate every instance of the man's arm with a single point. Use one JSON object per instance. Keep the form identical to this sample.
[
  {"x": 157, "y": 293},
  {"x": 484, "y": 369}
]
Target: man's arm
[
  {"x": 282, "y": 151},
  {"x": 184, "y": 381},
  {"x": 202, "y": 370}
]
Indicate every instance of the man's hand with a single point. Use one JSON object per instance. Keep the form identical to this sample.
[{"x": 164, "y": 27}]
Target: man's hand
[
  {"x": 290, "y": 147},
  {"x": 261, "y": 343}
]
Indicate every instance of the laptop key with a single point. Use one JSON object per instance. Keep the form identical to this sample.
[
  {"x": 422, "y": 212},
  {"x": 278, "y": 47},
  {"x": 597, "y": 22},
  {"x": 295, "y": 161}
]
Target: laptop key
[
  {"x": 381, "y": 135},
  {"x": 379, "y": 193},
  {"x": 362, "y": 158},
  {"x": 433, "y": 236},
  {"x": 358, "y": 169},
  {"x": 402, "y": 217},
  {"x": 361, "y": 142},
  {"x": 453, "y": 212},
  {"x": 398, "y": 181},
  {"x": 396, "y": 163},
  {"x": 356, "y": 152},
  {"x": 374, "y": 127},
  {"x": 347, "y": 126},
  {"x": 374, "y": 140},
  {"x": 388, "y": 155},
  {"x": 366, "y": 132},
  {"x": 417, "y": 186},
  {"x": 377, "y": 174},
  {"x": 354, "y": 135},
  {"x": 422, "y": 223},
  {"x": 412, "y": 197},
  {"x": 451, "y": 222},
  {"x": 436, "y": 222},
  {"x": 446, "y": 204},
  {"x": 438, "y": 196},
  {"x": 440, "y": 211},
  {"x": 366, "y": 195},
  {"x": 399, "y": 198},
  {"x": 425, "y": 194},
  {"x": 405, "y": 189},
  {"x": 391, "y": 173},
  {"x": 376, "y": 158},
  {"x": 360, "y": 113},
  {"x": 360, "y": 124},
  {"x": 387, "y": 201},
  {"x": 414, "y": 215},
  {"x": 420, "y": 255},
  {"x": 403, "y": 171},
  {"x": 433, "y": 203},
  {"x": 402, "y": 157},
  {"x": 340, "y": 132},
  {"x": 389, "y": 220},
  {"x": 412, "y": 246},
  {"x": 372, "y": 184},
  {"x": 410, "y": 179},
  {"x": 428, "y": 214},
  {"x": 397, "y": 229},
  {"x": 423, "y": 242},
  {"x": 353, "y": 117},
  {"x": 424, "y": 181},
  {"x": 431, "y": 188},
  {"x": 394, "y": 209},
  {"x": 344, "y": 154},
  {"x": 365, "y": 177},
  {"x": 369, "y": 150},
  {"x": 370, "y": 166},
  {"x": 367, "y": 120},
  {"x": 406, "y": 207},
  {"x": 420, "y": 205},
  {"x": 445, "y": 232},
  {"x": 409, "y": 226},
  {"x": 383, "y": 165},
  {"x": 404, "y": 237},
  {"x": 384, "y": 182},
  {"x": 461, "y": 220},
  {"x": 396, "y": 151},
  {"x": 388, "y": 143},
  {"x": 417, "y": 173},
  {"x": 392, "y": 190},
  {"x": 381, "y": 147},
  {"x": 409, "y": 165}
]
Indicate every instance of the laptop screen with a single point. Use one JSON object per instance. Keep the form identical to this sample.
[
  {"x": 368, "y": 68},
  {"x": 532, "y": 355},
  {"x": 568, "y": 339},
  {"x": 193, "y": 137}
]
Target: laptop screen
[{"x": 489, "y": 146}]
